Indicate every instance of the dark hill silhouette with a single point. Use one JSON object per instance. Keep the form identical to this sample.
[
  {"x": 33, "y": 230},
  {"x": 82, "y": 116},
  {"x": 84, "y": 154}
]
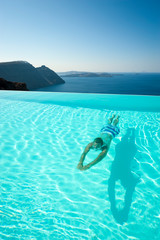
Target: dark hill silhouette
[
  {"x": 21, "y": 71},
  {"x": 7, "y": 85}
]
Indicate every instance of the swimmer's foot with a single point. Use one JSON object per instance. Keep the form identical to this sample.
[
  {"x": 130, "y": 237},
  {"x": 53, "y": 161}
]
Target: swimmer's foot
[
  {"x": 116, "y": 121},
  {"x": 111, "y": 119}
]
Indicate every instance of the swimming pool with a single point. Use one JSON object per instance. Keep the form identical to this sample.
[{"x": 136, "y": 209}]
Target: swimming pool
[{"x": 44, "y": 195}]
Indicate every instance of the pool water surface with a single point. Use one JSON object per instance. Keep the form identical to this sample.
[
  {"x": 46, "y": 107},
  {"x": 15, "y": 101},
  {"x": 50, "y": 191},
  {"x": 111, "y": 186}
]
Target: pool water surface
[{"x": 42, "y": 193}]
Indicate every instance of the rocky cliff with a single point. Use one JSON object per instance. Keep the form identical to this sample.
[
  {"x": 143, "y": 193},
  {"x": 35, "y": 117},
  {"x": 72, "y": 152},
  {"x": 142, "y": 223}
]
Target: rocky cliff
[
  {"x": 7, "y": 85},
  {"x": 24, "y": 72},
  {"x": 50, "y": 75}
]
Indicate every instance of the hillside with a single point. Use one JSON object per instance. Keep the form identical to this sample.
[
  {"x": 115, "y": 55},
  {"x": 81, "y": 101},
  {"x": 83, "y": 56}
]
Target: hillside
[
  {"x": 50, "y": 75},
  {"x": 20, "y": 71},
  {"x": 7, "y": 85}
]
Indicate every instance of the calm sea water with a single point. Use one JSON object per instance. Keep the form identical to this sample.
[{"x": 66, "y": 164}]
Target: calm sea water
[
  {"x": 143, "y": 84},
  {"x": 44, "y": 195}
]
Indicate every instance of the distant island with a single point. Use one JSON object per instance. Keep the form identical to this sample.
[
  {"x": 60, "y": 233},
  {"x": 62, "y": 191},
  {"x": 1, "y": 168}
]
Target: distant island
[
  {"x": 87, "y": 74},
  {"x": 24, "y": 73}
]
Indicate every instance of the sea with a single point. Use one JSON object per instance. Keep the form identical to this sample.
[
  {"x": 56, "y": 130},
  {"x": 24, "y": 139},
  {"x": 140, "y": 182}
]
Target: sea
[{"x": 124, "y": 83}]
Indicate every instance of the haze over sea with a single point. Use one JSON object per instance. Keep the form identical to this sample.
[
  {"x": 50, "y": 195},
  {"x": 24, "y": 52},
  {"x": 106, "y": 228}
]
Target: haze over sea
[{"x": 125, "y": 83}]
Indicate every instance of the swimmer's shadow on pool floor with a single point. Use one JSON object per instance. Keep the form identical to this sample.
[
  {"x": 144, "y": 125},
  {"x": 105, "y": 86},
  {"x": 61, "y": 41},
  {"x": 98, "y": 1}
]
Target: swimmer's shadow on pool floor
[{"x": 121, "y": 170}]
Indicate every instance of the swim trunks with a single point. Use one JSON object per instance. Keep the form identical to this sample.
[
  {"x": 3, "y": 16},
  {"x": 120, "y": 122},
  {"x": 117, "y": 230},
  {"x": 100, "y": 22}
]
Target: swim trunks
[{"x": 110, "y": 129}]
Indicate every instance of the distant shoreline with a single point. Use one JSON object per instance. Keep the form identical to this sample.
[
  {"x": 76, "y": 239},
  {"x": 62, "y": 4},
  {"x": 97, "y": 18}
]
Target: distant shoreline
[
  {"x": 91, "y": 75},
  {"x": 100, "y": 74}
]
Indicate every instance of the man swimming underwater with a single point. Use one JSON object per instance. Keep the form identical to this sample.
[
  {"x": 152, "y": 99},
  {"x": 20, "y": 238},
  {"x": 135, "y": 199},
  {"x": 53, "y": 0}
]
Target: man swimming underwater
[{"x": 102, "y": 143}]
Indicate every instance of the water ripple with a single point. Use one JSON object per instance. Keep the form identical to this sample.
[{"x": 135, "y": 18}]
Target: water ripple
[{"x": 44, "y": 196}]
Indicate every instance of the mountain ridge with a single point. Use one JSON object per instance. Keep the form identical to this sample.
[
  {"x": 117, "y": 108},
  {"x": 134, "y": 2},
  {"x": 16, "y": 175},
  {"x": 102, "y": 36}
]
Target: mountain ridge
[{"x": 22, "y": 71}]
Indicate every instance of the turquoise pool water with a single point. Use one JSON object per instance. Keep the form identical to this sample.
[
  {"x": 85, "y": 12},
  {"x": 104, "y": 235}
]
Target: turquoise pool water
[{"x": 42, "y": 193}]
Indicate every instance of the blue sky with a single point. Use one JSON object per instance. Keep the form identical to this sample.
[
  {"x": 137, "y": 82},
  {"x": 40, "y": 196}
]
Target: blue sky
[{"x": 82, "y": 35}]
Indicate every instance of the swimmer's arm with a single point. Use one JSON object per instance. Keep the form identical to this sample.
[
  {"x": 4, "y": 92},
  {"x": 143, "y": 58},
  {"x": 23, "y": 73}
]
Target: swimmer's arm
[
  {"x": 97, "y": 160},
  {"x": 86, "y": 150}
]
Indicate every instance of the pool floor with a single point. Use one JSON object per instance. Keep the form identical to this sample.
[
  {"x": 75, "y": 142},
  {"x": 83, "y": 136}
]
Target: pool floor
[{"x": 44, "y": 195}]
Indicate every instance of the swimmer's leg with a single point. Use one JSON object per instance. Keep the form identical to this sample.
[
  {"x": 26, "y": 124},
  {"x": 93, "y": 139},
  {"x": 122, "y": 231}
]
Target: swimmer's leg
[
  {"x": 111, "y": 119},
  {"x": 116, "y": 121}
]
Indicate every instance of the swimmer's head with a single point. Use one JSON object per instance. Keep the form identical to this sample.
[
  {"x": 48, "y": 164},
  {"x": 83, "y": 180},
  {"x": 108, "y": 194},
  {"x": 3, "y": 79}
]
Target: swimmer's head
[{"x": 97, "y": 143}]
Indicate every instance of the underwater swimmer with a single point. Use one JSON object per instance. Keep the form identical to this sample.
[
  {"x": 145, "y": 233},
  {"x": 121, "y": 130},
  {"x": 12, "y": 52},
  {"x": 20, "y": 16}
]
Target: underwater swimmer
[{"x": 102, "y": 143}]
